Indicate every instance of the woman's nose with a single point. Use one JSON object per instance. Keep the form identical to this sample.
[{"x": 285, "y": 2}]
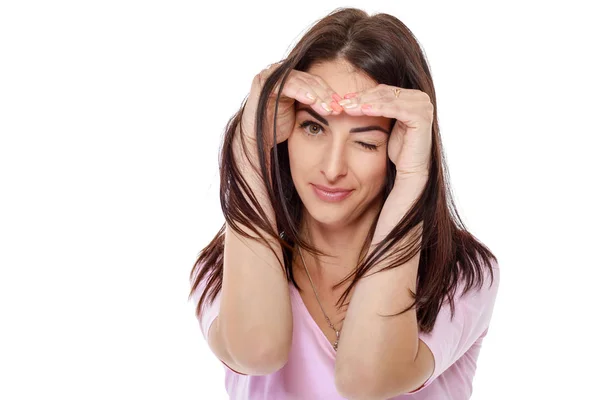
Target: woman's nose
[{"x": 334, "y": 163}]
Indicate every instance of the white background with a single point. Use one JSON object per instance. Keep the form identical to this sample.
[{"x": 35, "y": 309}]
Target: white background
[{"x": 111, "y": 116}]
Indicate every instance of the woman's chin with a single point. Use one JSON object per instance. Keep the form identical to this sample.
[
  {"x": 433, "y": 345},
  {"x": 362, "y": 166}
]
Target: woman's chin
[{"x": 330, "y": 218}]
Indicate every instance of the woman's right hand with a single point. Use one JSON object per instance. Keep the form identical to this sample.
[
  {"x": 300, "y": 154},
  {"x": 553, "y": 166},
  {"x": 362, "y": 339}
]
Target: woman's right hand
[{"x": 300, "y": 86}]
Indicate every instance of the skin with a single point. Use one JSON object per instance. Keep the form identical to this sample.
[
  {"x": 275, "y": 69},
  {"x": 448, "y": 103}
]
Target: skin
[{"x": 333, "y": 157}]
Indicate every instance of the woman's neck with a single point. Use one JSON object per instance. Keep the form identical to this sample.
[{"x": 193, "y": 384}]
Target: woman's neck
[{"x": 345, "y": 245}]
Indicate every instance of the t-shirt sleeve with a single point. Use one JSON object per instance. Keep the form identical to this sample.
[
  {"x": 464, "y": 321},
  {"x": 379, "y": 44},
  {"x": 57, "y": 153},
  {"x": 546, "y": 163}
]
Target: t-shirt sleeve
[
  {"x": 209, "y": 311},
  {"x": 208, "y": 314},
  {"x": 450, "y": 339}
]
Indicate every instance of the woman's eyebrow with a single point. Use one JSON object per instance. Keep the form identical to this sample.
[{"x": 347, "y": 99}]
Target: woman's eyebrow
[{"x": 322, "y": 120}]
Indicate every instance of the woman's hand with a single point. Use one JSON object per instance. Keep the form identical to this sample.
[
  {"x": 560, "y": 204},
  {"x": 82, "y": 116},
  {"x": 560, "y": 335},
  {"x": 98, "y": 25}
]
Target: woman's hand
[
  {"x": 409, "y": 145},
  {"x": 299, "y": 86}
]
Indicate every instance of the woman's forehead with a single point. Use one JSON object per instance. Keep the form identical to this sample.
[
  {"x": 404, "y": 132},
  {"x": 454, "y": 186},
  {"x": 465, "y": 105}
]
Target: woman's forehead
[{"x": 342, "y": 76}]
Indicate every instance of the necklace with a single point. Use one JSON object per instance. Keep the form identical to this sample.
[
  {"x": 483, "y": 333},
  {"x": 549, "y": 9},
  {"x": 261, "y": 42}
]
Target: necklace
[{"x": 337, "y": 333}]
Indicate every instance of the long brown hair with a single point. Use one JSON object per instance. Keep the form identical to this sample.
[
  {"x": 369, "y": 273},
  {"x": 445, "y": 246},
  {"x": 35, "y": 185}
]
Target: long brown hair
[{"x": 386, "y": 50}]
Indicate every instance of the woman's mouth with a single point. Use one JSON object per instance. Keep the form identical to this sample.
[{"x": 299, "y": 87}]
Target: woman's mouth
[{"x": 331, "y": 196}]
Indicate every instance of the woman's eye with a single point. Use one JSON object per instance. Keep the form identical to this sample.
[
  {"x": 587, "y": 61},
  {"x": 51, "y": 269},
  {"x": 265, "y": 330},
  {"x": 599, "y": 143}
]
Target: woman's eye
[
  {"x": 313, "y": 127},
  {"x": 368, "y": 146}
]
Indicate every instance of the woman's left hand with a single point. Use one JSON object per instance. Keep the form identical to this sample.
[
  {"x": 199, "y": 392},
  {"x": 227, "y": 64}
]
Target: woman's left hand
[{"x": 409, "y": 145}]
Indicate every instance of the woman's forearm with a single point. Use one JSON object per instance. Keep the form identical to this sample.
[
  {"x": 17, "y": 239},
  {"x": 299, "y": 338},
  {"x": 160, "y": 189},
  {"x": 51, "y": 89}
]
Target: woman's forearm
[{"x": 255, "y": 314}]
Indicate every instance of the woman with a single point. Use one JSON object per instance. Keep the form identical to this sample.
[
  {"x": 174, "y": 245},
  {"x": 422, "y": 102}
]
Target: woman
[{"x": 333, "y": 189}]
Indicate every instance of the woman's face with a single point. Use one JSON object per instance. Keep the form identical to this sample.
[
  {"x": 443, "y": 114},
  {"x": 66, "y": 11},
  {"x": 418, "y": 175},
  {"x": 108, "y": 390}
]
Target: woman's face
[{"x": 323, "y": 151}]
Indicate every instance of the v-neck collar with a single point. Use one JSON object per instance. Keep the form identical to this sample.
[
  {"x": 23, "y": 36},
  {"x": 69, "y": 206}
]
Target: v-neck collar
[{"x": 323, "y": 340}]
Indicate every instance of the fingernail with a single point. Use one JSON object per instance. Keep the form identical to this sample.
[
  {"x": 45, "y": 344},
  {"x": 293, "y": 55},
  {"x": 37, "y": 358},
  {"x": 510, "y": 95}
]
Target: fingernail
[
  {"x": 326, "y": 107},
  {"x": 344, "y": 102},
  {"x": 351, "y": 105},
  {"x": 336, "y": 106},
  {"x": 350, "y": 95},
  {"x": 336, "y": 97},
  {"x": 310, "y": 96}
]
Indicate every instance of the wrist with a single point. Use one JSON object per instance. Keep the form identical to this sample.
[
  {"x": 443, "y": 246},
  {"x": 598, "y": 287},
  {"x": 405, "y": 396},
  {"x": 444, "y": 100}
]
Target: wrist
[
  {"x": 407, "y": 189},
  {"x": 412, "y": 175}
]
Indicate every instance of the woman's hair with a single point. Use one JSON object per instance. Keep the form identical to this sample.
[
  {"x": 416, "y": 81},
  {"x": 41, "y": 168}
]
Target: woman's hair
[{"x": 386, "y": 50}]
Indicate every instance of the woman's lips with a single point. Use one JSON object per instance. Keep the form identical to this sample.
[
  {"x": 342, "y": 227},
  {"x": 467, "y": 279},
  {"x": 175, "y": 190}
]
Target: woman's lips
[{"x": 331, "y": 196}]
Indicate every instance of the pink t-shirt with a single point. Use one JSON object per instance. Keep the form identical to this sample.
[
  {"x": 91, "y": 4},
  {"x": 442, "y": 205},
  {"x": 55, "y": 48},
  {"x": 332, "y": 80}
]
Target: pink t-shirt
[{"x": 309, "y": 372}]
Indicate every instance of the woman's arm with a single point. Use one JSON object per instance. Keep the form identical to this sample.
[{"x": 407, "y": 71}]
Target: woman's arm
[
  {"x": 255, "y": 316},
  {"x": 387, "y": 358},
  {"x": 255, "y": 319}
]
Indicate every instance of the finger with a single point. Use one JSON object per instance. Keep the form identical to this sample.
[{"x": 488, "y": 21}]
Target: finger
[
  {"x": 378, "y": 94},
  {"x": 297, "y": 89},
  {"x": 407, "y": 112},
  {"x": 380, "y": 102},
  {"x": 327, "y": 97},
  {"x": 310, "y": 91},
  {"x": 351, "y": 100}
]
